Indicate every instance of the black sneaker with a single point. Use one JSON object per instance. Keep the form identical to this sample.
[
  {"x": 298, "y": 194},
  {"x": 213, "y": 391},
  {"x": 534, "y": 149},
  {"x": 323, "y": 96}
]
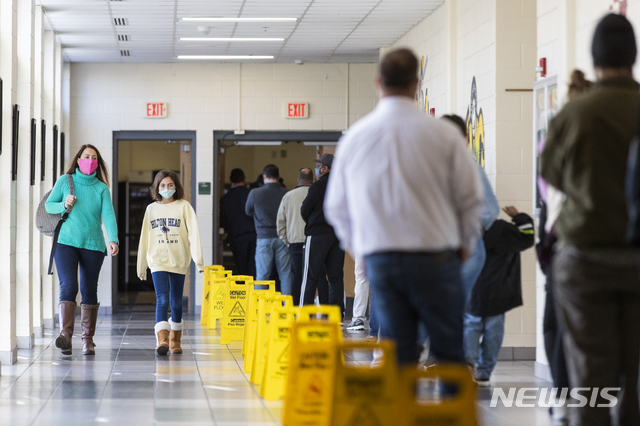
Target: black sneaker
[{"x": 356, "y": 325}]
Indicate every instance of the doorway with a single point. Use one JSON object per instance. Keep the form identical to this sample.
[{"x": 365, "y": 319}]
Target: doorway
[
  {"x": 137, "y": 157},
  {"x": 289, "y": 150}
]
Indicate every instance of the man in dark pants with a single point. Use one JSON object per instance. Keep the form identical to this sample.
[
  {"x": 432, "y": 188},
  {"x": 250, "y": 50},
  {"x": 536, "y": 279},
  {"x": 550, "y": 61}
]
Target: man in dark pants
[
  {"x": 595, "y": 271},
  {"x": 238, "y": 225},
  {"x": 322, "y": 251}
]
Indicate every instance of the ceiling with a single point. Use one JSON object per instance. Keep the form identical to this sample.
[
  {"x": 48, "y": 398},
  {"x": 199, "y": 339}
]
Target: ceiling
[{"x": 325, "y": 30}]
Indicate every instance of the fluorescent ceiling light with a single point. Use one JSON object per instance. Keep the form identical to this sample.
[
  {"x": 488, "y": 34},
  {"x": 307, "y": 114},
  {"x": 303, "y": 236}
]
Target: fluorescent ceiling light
[
  {"x": 225, "y": 57},
  {"x": 229, "y": 39},
  {"x": 320, "y": 143},
  {"x": 260, "y": 143},
  {"x": 205, "y": 19}
]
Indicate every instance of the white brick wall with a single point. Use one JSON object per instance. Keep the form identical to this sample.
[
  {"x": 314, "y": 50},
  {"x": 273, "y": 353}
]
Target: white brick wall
[
  {"x": 205, "y": 97},
  {"x": 495, "y": 42}
]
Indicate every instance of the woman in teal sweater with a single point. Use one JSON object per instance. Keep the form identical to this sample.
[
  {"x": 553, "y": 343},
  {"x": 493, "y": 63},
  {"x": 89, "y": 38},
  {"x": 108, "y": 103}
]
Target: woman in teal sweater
[{"x": 81, "y": 242}]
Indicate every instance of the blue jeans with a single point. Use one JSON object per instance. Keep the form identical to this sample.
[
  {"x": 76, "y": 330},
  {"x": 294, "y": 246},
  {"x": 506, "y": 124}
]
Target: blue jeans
[
  {"x": 483, "y": 355},
  {"x": 414, "y": 288},
  {"x": 374, "y": 327},
  {"x": 266, "y": 250},
  {"x": 68, "y": 260},
  {"x": 169, "y": 287}
]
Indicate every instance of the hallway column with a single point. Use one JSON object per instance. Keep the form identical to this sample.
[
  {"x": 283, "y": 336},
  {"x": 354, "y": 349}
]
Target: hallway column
[
  {"x": 48, "y": 94},
  {"x": 38, "y": 325},
  {"x": 24, "y": 231},
  {"x": 567, "y": 46},
  {"x": 8, "y": 73}
]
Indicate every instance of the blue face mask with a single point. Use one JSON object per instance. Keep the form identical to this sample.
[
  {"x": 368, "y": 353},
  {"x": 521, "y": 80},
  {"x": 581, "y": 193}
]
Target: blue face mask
[
  {"x": 167, "y": 193},
  {"x": 318, "y": 172}
]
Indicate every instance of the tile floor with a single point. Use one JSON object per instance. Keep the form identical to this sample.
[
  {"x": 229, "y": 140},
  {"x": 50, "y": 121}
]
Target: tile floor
[{"x": 127, "y": 384}]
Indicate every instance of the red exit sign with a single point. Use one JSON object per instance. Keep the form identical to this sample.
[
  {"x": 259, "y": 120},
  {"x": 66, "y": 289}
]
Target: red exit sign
[
  {"x": 155, "y": 109},
  {"x": 296, "y": 110}
]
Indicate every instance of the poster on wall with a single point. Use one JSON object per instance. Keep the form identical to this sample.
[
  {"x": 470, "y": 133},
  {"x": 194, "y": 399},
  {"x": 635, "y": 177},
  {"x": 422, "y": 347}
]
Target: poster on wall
[
  {"x": 475, "y": 126},
  {"x": 545, "y": 98},
  {"x": 422, "y": 96},
  {"x": 619, "y": 7}
]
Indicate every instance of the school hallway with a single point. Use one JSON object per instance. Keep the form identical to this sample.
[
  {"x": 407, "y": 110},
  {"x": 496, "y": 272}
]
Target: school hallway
[{"x": 126, "y": 383}]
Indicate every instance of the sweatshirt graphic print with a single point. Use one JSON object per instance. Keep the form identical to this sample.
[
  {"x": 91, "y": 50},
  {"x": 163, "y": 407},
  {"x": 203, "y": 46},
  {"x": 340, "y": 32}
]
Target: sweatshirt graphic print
[{"x": 169, "y": 239}]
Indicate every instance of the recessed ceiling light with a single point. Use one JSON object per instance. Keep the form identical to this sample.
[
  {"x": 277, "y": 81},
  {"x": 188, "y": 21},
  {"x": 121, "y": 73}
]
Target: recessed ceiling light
[
  {"x": 205, "y": 19},
  {"x": 230, "y": 39},
  {"x": 225, "y": 57}
]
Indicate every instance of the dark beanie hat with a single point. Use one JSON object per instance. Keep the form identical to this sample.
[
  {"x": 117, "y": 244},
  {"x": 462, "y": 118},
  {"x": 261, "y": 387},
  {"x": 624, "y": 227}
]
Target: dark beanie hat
[{"x": 614, "y": 43}]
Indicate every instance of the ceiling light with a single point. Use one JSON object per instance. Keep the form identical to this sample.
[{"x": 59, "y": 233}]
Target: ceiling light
[
  {"x": 225, "y": 57},
  {"x": 258, "y": 143},
  {"x": 205, "y": 19},
  {"x": 320, "y": 143},
  {"x": 229, "y": 39}
]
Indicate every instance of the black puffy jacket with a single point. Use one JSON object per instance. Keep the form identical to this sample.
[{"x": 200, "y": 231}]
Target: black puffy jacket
[{"x": 499, "y": 287}]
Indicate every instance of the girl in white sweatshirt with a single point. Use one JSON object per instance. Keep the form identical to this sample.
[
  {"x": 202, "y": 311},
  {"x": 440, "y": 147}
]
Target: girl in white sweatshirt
[{"x": 168, "y": 241}]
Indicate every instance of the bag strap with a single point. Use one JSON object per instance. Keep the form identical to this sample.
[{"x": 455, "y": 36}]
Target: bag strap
[
  {"x": 63, "y": 218},
  {"x": 72, "y": 192}
]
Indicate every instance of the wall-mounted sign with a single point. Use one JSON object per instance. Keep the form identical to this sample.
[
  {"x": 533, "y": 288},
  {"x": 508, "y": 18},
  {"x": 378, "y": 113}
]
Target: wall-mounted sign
[
  {"x": 296, "y": 110},
  {"x": 155, "y": 109},
  {"x": 204, "y": 188}
]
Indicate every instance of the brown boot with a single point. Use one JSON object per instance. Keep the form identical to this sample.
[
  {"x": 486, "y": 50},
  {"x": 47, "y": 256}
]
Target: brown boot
[
  {"x": 67, "y": 319},
  {"x": 162, "y": 337},
  {"x": 88, "y": 321},
  {"x": 176, "y": 336}
]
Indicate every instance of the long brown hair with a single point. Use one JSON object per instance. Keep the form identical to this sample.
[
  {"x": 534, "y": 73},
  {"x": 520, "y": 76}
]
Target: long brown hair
[
  {"x": 155, "y": 194},
  {"x": 101, "y": 172}
]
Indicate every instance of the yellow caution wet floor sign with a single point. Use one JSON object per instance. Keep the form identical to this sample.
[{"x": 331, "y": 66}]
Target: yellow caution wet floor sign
[
  {"x": 206, "y": 292},
  {"x": 216, "y": 303},
  {"x": 327, "y": 312},
  {"x": 278, "y": 349},
  {"x": 456, "y": 410},
  {"x": 252, "y": 324},
  {"x": 234, "y": 310},
  {"x": 258, "y": 287},
  {"x": 265, "y": 311},
  {"x": 365, "y": 395},
  {"x": 311, "y": 373}
]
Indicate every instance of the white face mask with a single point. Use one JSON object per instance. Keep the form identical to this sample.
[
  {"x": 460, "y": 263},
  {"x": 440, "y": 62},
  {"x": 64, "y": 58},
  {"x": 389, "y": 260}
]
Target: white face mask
[
  {"x": 167, "y": 193},
  {"x": 318, "y": 172}
]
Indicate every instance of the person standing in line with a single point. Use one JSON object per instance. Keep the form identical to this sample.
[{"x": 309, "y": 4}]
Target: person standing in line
[
  {"x": 360, "y": 299},
  {"x": 81, "y": 246},
  {"x": 169, "y": 239},
  {"x": 497, "y": 290},
  {"x": 291, "y": 229},
  {"x": 322, "y": 252},
  {"x": 238, "y": 225},
  {"x": 405, "y": 194},
  {"x": 595, "y": 270},
  {"x": 262, "y": 205}
]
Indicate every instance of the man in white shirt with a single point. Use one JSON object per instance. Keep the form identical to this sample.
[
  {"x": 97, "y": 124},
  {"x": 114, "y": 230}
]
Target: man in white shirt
[{"x": 405, "y": 194}]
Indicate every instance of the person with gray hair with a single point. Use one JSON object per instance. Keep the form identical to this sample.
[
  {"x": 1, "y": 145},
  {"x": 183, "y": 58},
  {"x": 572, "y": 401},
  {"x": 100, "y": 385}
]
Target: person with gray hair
[{"x": 596, "y": 280}]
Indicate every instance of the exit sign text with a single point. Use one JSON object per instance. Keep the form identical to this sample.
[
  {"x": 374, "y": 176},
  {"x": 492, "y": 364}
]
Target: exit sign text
[
  {"x": 296, "y": 110},
  {"x": 155, "y": 109}
]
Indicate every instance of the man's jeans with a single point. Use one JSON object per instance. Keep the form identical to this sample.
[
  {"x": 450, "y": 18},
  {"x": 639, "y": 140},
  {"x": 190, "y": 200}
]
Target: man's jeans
[
  {"x": 413, "y": 288},
  {"x": 483, "y": 356},
  {"x": 266, "y": 250}
]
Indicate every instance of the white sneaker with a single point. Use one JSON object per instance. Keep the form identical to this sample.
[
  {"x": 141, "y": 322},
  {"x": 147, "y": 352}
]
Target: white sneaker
[{"x": 356, "y": 325}]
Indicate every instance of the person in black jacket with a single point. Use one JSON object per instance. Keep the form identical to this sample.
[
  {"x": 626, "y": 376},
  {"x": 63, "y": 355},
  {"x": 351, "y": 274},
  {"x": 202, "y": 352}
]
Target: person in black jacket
[
  {"x": 498, "y": 290},
  {"x": 238, "y": 225},
  {"x": 322, "y": 252}
]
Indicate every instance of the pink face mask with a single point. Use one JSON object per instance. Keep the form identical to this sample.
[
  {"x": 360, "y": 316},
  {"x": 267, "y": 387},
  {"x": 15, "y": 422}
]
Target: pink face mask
[{"x": 87, "y": 165}]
